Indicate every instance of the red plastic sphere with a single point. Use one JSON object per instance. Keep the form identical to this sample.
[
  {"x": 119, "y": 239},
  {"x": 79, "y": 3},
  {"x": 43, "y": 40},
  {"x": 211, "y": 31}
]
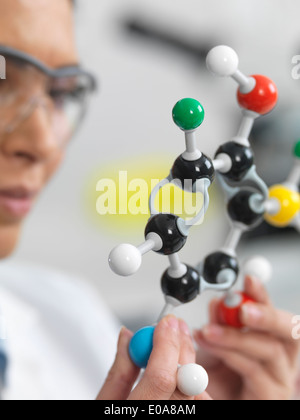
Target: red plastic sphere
[
  {"x": 231, "y": 315},
  {"x": 262, "y": 99}
]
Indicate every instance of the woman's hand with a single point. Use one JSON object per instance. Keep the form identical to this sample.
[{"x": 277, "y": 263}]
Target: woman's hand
[
  {"x": 172, "y": 345},
  {"x": 260, "y": 363}
]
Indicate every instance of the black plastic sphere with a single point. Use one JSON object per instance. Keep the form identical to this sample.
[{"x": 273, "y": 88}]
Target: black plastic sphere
[
  {"x": 165, "y": 226},
  {"x": 185, "y": 289},
  {"x": 201, "y": 168},
  {"x": 240, "y": 211},
  {"x": 217, "y": 262},
  {"x": 241, "y": 157}
]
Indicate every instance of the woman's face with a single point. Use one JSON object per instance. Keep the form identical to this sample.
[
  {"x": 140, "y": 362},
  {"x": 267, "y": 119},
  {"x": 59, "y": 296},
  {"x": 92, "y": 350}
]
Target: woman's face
[{"x": 30, "y": 155}]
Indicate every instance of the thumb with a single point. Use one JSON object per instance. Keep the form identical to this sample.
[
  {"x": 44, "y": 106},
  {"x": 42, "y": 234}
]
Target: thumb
[
  {"x": 204, "y": 397},
  {"x": 123, "y": 373},
  {"x": 256, "y": 290}
]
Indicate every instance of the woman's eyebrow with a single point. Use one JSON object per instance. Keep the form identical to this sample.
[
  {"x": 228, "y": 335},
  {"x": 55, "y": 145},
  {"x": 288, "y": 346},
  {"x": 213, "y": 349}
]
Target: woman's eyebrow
[{"x": 22, "y": 59}]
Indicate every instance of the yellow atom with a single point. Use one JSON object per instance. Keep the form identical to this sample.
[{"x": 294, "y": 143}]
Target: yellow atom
[{"x": 289, "y": 206}]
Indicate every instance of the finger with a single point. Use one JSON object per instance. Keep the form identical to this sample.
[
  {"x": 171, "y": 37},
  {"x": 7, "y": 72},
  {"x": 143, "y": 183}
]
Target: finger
[
  {"x": 255, "y": 289},
  {"x": 239, "y": 363},
  {"x": 160, "y": 378},
  {"x": 257, "y": 346},
  {"x": 204, "y": 397},
  {"x": 252, "y": 372},
  {"x": 123, "y": 373},
  {"x": 187, "y": 349},
  {"x": 267, "y": 319},
  {"x": 251, "y": 344},
  {"x": 204, "y": 358},
  {"x": 187, "y": 355},
  {"x": 214, "y": 311}
]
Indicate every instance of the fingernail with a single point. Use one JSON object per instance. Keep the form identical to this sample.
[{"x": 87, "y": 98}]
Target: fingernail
[
  {"x": 122, "y": 333},
  {"x": 251, "y": 313},
  {"x": 173, "y": 323},
  {"x": 126, "y": 332},
  {"x": 184, "y": 328},
  {"x": 199, "y": 338},
  {"x": 213, "y": 332},
  {"x": 124, "y": 337}
]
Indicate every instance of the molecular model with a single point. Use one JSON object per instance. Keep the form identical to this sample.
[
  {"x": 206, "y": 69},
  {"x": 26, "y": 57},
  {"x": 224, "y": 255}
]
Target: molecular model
[{"x": 249, "y": 202}]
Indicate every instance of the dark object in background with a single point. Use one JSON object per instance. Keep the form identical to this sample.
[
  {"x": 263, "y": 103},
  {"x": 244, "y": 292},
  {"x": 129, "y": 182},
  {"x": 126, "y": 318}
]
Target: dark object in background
[
  {"x": 144, "y": 29},
  {"x": 273, "y": 139}
]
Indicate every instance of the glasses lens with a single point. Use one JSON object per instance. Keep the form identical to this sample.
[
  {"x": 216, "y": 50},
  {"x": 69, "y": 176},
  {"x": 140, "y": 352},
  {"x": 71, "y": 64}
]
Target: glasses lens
[
  {"x": 26, "y": 88},
  {"x": 69, "y": 97}
]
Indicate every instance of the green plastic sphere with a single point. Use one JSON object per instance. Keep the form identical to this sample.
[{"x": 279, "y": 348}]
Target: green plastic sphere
[
  {"x": 297, "y": 150},
  {"x": 188, "y": 114}
]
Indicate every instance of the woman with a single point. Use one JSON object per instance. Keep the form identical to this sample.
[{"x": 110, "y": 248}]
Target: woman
[{"x": 42, "y": 101}]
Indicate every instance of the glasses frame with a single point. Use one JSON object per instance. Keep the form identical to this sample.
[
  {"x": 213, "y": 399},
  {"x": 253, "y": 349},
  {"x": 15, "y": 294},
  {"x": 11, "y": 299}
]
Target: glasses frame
[
  {"x": 61, "y": 72},
  {"x": 66, "y": 71}
]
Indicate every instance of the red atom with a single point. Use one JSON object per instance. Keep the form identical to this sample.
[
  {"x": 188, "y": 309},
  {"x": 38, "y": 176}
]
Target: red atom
[
  {"x": 262, "y": 99},
  {"x": 231, "y": 316}
]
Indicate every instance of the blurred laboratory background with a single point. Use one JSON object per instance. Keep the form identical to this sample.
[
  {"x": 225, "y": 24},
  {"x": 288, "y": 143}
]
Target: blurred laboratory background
[{"x": 147, "y": 55}]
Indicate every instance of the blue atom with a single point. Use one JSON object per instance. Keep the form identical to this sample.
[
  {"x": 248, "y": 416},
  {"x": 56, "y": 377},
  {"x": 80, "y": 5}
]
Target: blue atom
[{"x": 141, "y": 345}]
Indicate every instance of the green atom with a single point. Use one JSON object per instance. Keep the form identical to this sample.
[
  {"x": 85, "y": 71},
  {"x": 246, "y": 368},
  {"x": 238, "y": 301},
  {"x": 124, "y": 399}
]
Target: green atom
[
  {"x": 297, "y": 149},
  {"x": 188, "y": 114}
]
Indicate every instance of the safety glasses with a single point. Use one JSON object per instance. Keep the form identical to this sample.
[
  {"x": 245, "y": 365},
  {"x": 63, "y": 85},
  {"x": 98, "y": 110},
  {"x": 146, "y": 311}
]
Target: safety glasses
[{"x": 61, "y": 96}]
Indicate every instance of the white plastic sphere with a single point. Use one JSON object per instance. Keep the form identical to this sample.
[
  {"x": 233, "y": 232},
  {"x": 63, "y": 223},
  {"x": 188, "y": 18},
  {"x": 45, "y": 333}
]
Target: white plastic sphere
[
  {"x": 258, "y": 267},
  {"x": 192, "y": 380},
  {"x": 222, "y": 61},
  {"x": 125, "y": 260}
]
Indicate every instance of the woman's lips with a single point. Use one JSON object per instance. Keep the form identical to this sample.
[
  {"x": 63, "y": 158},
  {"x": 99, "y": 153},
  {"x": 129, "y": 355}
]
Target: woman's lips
[{"x": 17, "y": 202}]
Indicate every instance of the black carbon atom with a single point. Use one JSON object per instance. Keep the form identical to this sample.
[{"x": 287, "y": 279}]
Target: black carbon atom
[
  {"x": 201, "y": 168},
  {"x": 241, "y": 157},
  {"x": 217, "y": 262},
  {"x": 185, "y": 289},
  {"x": 239, "y": 209},
  {"x": 165, "y": 226}
]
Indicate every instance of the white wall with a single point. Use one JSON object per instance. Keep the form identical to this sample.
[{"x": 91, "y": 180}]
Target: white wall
[{"x": 130, "y": 117}]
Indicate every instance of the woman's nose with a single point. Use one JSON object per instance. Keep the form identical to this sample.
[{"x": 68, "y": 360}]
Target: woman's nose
[{"x": 33, "y": 140}]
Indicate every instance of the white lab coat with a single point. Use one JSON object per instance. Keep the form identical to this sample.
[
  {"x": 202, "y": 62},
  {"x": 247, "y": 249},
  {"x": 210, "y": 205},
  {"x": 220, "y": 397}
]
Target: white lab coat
[{"x": 61, "y": 337}]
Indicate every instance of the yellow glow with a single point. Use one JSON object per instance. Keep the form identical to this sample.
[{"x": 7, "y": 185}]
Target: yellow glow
[{"x": 117, "y": 195}]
